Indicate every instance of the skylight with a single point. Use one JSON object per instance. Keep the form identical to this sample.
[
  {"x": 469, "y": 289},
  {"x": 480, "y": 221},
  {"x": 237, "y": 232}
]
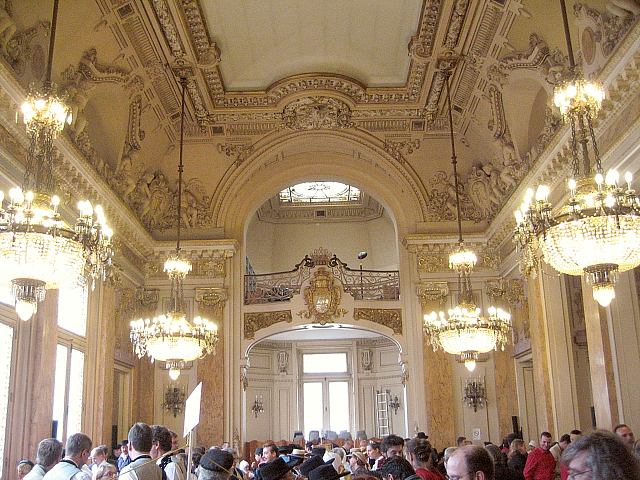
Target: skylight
[{"x": 320, "y": 192}]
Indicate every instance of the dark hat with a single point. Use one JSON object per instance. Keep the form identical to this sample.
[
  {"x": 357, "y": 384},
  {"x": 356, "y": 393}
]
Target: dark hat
[
  {"x": 318, "y": 451},
  {"x": 258, "y": 451},
  {"x": 216, "y": 460},
  {"x": 314, "y": 462},
  {"x": 326, "y": 472},
  {"x": 277, "y": 468},
  {"x": 26, "y": 462}
]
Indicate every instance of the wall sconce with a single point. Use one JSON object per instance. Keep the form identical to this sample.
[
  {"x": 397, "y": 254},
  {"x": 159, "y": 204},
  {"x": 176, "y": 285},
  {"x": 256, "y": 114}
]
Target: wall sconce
[
  {"x": 174, "y": 399},
  {"x": 258, "y": 406},
  {"x": 475, "y": 393},
  {"x": 393, "y": 403}
]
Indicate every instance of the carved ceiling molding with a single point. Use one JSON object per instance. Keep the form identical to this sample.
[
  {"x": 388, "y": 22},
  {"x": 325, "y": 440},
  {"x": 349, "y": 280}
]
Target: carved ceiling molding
[
  {"x": 256, "y": 321},
  {"x": 312, "y": 113},
  {"x": 211, "y": 302},
  {"x": 387, "y": 317},
  {"x": 610, "y": 27},
  {"x": 270, "y": 152},
  {"x": 208, "y": 58}
]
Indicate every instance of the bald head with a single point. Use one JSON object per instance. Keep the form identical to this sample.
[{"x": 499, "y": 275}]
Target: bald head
[{"x": 470, "y": 461}]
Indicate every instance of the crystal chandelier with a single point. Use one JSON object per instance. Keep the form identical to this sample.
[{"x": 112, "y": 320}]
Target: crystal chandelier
[
  {"x": 596, "y": 231},
  {"x": 475, "y": 394},
  {"x": 464, "y": 331},
  {"x": 38, "y": 249},
  {"x": 172, "y": 337}
]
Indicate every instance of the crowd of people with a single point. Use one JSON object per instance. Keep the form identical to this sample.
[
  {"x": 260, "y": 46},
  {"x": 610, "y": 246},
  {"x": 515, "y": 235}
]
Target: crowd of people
[{"x": 153, "y": 453}]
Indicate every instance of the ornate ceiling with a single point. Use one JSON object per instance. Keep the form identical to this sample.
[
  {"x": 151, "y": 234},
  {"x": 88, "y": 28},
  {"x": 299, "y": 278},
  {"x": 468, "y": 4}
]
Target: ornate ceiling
[{"x": 261, "y": 69}]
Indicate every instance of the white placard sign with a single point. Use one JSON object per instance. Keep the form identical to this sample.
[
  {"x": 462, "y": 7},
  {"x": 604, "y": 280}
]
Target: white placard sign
[
  {"x": 477, "y": 435},
  {"x": 192, "y": 410}
]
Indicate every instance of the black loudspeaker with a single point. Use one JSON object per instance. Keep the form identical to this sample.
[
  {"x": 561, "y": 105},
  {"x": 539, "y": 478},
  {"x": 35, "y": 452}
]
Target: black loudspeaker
[
  {"x": 54, "y": 429},
  {"x": 593, "y": 417},
  {"x": 114, "y": 435},
  {"x": 515, "y": 424}
]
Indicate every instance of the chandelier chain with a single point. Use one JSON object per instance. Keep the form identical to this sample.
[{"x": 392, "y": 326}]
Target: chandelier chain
[{"x": 52, "y": 42}]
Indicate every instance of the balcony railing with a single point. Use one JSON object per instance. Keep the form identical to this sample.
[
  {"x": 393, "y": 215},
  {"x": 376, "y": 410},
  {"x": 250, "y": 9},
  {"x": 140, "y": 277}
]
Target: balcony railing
[{"x": 359, "y": 283}]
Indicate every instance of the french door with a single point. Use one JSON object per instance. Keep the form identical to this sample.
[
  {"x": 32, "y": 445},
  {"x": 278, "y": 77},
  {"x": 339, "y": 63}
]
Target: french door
[{"x": 326, "y": 405}]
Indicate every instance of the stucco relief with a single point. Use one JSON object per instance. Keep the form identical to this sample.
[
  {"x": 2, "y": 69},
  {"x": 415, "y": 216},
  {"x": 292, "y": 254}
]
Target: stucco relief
[
  {"x": 612, "y": 24},
  {"x": 387, "y": 317},
  {"x": 255, "y": 321},
  {"x": 311, "y": 113}
]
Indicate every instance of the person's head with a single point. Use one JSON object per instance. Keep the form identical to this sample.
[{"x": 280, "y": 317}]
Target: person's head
[
  {"x": 117, "y": 450},
  {"x": 358, "y": 460},
  {"x": 470, "y": 462},
  {"x": 125, "y": 447},
  {"x": 257, "y": 455},
  {"x": 564, "y": 441},
  {"x": 216, "y": 464},
  {"x": 396, "y": 468},
  {"x": 362, "y": 443},
  {"x": 392, "y": 446},
  {"x": 24, "y": 467},
  {"x": 545, "y": 441},
  {"x": 625, "y": 434},
  {"x": 279, "y": 469},
  {"x": 105, "y": 471},
  {"x": 49, "y": 453},
  {"x": 575, "y": 435},
  {"x": 531, "y": 445},
  {"x": 460, "y": 441},
  {"x": 160, "y": 441},
  {"x": 373, "y": 450},
  {"x": 175, "y": 441},
  {"x": 447, "y": 454},
  {"x": 599, "y": 456},
  {"x": 419, "y": 452},
  {"x": 234, "y": 454},
  {"x": 269, "y": 452},
  {"x": 517, "y": 445},
  {"x": 78, "y": 448},
  {"x": 99, "y": 454},
  {"x": 495, "y": 453},
  {"x": 348, "y": 444},
  {"x": 140, "y": 440}
]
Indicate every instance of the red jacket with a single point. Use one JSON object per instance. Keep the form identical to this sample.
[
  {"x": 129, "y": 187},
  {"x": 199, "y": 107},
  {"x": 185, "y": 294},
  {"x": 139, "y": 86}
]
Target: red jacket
[
  {"x": 540, "y": 465},
  {"x": 425, "y": 474}
]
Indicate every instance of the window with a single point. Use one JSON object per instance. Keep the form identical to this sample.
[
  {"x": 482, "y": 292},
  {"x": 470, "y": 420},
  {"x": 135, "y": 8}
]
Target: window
[
  {"x": 319, "y": 192},
  {"x": 67, "y": 392},
  {"x": 324, "y": 363},
  {"x": 5, "y": 295},
  {"x": 72, "y": 309},
  {"x": 6, "y": 340},
  {"x": 326, "y": 392}
]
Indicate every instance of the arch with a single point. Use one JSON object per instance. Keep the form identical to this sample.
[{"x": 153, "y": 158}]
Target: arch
[{"x": 287, "y": 157}]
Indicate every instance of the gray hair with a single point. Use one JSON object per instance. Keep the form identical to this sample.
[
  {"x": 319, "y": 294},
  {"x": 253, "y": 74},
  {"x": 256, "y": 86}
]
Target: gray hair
[
  {"x": 77, "y": 443},
  {"x": 49, "y": 452},
  {"x": 607, "y": 457},
  {"x": 100, "y": 450},
  {"x": 204, "y": 474},
  {"x": 448, "y": 452}
]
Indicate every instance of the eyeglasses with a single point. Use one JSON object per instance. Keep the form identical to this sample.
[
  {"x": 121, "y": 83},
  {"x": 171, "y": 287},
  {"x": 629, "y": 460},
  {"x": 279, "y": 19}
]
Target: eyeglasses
[{"x": 573, "y": 474}]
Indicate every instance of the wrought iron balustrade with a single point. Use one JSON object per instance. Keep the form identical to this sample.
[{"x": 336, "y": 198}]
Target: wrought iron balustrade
[{"x": 359, "y": 283}]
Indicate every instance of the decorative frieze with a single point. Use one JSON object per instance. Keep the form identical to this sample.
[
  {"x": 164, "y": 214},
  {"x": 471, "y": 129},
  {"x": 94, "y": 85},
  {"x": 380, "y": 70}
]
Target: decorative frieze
[
  {"x": 387, "y": 317},
  {"x": 255, "y": 321}
]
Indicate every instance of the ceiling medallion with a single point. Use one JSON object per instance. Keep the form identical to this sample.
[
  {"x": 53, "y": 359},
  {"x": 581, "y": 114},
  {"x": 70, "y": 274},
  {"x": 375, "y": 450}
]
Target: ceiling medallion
[
  {"x": 313, "y": 113},
  {"x": 596, "y": 232},
  {"x": 322, "y": 298}
]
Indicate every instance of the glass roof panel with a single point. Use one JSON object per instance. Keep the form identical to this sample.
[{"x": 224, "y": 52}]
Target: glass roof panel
[{"x": 319, "y": 192}]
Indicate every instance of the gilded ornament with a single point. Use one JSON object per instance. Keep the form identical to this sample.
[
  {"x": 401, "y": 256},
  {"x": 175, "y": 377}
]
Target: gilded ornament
[
  {"x": 311, "y": 113},
  {"x": 254, "y": 321},
  {"x": 433, "y": 292},
  {"x": 387, "y": 317},
  {"x": 322, "y": 298}
]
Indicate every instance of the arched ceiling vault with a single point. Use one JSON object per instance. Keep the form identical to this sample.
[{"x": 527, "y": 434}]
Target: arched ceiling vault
[{"x": 367, "y": 72}]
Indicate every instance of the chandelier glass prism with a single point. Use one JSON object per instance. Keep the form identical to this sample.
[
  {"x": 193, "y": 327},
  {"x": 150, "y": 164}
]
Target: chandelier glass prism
[
  {"x": 595, "y": 232},
  {"x": 464, "y": 331},
  {"x": 171, "y": 337},
  {"x": 38, "y": 249}
]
